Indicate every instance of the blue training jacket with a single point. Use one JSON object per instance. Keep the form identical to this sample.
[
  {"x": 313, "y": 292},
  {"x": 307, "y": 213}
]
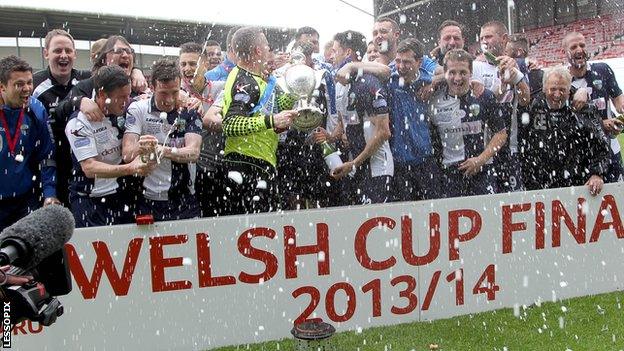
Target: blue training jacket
[
  {"x": 411, "y": 139},
  {"x": 35, "y": 145}
]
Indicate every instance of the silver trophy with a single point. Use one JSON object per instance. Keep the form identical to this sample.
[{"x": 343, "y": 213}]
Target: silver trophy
[{"x": 303, "y": 82}]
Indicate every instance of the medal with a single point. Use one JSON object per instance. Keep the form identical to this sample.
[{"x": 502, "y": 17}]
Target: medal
[{"x": 12, "y": 139}]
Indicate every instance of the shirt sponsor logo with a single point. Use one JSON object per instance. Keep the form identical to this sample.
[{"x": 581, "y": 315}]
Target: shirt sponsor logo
[
  {"x": 111, "y": 151},
  {"x": 466, "y": 128},
  {"x": 242, "y": 97},
  {"x": 82, "y": 142}
]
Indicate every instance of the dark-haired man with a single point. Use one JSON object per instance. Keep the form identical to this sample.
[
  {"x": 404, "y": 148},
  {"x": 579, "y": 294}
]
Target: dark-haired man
[
  {"x": 507, "y": 80},
  {"x": 364, "y": 108},
  {"x": 310, "y": 35},
  {"x": 26, "y": 146},
  {"x": 417, "y": 174},
  {"x": 212, "y": 54},
  {"x": 98, "y": 194},
  {"x": 459, "y": 119},
  {"x": 518, "y": 48},
  {"x": 157, "y": 129},
  {"x": 386, "y": 35},
  {"x": 450, "y": 36},
  {"x": 304, "y": 180}
]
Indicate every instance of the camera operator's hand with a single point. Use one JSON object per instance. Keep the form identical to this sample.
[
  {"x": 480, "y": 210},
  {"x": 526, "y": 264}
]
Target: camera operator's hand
[{"x": 13, "y": 279}]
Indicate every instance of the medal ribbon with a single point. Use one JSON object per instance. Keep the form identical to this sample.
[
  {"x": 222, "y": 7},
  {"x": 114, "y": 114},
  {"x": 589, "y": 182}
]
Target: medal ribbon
[{"x": 12, "y": 139}]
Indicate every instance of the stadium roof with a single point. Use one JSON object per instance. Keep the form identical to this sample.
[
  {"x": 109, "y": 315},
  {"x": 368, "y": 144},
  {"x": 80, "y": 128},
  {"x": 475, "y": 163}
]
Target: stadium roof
[
  {"x": 390, "y": 7},
  {"x": 32, "y": 22}
]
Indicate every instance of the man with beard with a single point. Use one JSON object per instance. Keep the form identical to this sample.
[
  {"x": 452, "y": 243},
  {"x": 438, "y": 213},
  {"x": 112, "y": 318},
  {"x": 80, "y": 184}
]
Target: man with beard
[
  {"x": 97, "y": 193},
  {"x": 563, "y": 147},
  {"x": 505, "y": 78},
  {"x": 450, "y": 36},
  {"x": 599, "y": 81},
  {"x": 365, "y": 115},
  {"x": 417, "y": 174},
  {"x": 26, "y": 146},
  {"x": 459, "y": 119},
  {"x": 386, "y": 34},
  {"x": 156, "y": 128}
]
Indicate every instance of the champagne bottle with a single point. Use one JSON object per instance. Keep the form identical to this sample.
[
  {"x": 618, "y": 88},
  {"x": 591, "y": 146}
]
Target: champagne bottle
[
  {"x": 491, "y": 58},
  {"x": 331, "y": 156},
  {"x": 621, "y": 119}
]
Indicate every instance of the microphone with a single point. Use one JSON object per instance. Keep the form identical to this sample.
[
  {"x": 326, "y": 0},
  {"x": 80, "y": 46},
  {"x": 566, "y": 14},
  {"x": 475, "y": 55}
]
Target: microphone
[{"x": 35, "y": 237}]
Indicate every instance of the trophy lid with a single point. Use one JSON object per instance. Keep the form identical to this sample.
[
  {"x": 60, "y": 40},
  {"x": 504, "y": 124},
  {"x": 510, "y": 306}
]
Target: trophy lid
[{"x": 300, "y": 80}]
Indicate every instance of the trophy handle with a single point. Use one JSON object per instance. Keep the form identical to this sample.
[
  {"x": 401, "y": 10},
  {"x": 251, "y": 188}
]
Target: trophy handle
[
  {"x": 318, "y": 75},
  {"x": 281, "y": 82}
]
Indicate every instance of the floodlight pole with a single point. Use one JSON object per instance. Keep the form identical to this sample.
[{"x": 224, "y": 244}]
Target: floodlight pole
[{"x": 510, "y": 7}]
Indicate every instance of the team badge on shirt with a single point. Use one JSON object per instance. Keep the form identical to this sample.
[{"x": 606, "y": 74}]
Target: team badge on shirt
[
  {"x": 597, "y": 84},
  {"x": 379, "y": 100},
  {"x": 475, "y": 109}
]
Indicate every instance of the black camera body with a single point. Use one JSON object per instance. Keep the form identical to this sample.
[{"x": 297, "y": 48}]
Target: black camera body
[
  {"x": 32, "y": 301},
  {"x": 36, "y": 300}
]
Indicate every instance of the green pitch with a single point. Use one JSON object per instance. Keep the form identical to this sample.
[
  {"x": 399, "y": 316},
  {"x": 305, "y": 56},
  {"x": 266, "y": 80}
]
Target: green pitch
[{"x": 586, "y": 323}]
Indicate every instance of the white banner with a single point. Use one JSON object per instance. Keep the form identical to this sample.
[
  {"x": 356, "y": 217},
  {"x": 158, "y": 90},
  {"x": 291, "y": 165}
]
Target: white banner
[{"x": 199, "y": 284}]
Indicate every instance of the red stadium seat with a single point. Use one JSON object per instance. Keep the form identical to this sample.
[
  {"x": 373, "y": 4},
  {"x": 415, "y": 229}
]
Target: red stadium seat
[{"x": 605, "y": 39}]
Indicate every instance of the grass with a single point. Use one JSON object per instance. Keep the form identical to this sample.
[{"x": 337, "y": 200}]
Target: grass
[
  {"x": 586, "y": 323},
  {"x": 621, "y": 140}
]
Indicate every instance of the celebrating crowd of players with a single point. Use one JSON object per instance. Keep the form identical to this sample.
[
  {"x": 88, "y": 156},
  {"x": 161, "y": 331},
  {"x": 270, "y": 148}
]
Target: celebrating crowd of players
[{"x": 209, "y": 135}]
